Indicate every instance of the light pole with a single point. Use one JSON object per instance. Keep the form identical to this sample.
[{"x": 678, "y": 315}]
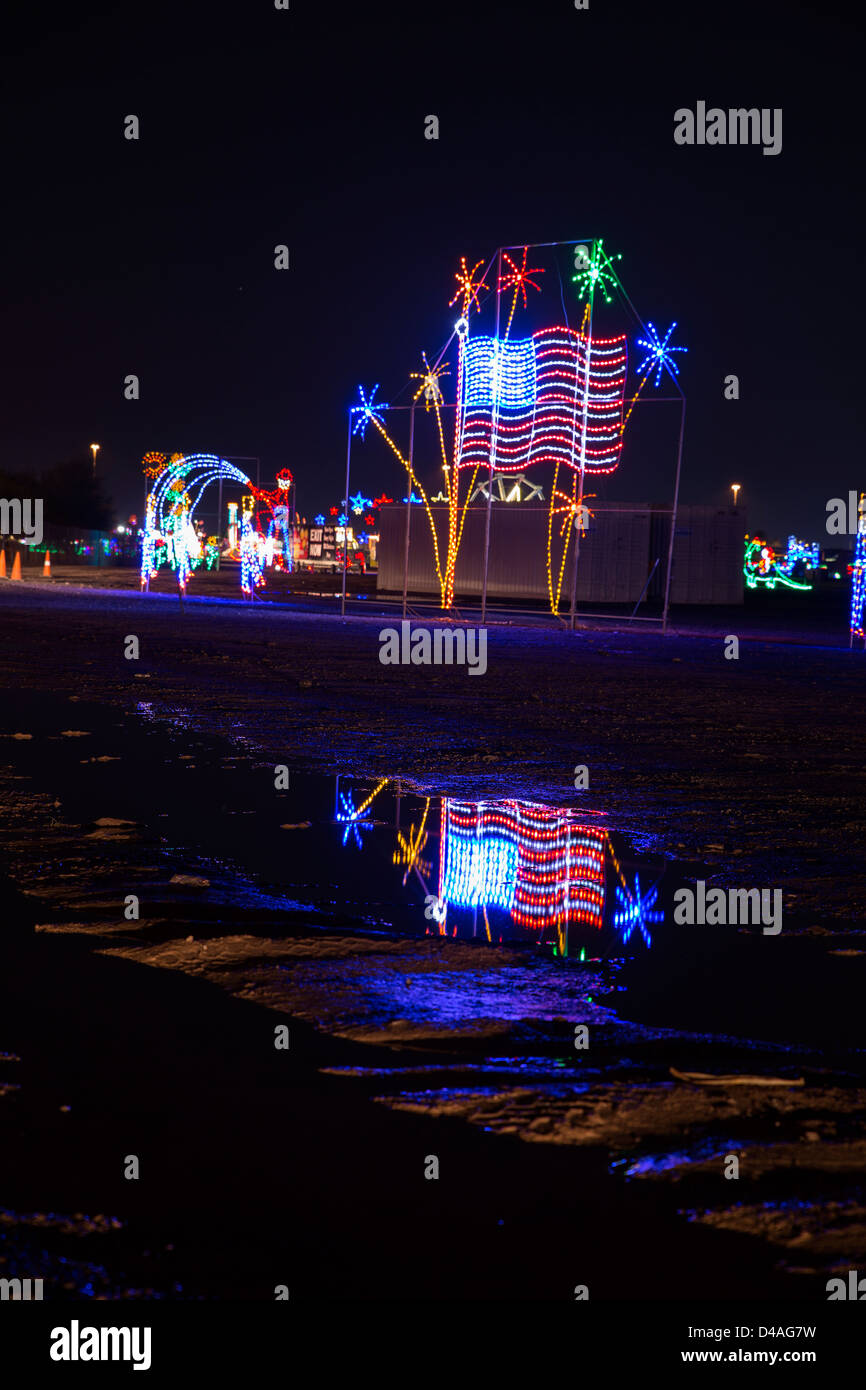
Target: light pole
[
  {"x": 94, "y": 449},
  {"x": 735, "y": 487}
]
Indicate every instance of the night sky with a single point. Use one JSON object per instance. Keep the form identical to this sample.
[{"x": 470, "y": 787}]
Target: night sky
[{"x": 306, "y": 127}]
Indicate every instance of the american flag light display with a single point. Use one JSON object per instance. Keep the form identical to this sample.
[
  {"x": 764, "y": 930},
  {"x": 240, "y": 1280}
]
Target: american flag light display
[
  {"x": 522, "y": 401},
  {"x": 537, "y": 862}
]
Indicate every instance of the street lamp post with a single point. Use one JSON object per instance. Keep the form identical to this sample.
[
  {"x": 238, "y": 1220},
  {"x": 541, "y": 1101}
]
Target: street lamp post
[
  {"x": 735, "y": 487},
  {"x": 94, "y": 449}
]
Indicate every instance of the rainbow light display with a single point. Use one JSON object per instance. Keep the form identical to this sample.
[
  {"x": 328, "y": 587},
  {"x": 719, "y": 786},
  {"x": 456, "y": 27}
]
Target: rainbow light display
[{"x": 539, "y": 863}]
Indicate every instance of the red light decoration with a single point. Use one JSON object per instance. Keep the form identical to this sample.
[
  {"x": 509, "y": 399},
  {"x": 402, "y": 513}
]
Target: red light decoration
[{"x": 517, "y": 279}]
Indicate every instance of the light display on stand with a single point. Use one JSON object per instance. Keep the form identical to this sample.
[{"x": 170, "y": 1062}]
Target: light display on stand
[
  {"x": 858, "y": 574},
  {"x": 553, "y": 399}
]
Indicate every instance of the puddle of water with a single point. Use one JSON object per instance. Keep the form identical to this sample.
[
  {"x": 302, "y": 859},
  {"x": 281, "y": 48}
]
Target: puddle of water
[{"x": 376, "y": 857}]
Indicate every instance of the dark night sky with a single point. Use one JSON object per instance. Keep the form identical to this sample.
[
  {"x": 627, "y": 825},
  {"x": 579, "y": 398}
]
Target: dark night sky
[{"x": 261, "y": 127}]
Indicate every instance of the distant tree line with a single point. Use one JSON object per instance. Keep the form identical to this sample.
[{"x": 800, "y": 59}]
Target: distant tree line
[{"x": 70, "y": 493}]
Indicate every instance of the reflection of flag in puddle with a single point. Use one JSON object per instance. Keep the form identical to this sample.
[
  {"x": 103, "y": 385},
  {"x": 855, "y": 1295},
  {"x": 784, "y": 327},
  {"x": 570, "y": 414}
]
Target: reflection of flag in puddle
[
  {"x": 480, "y": 869},
  {"x": 537, "y": 862},
  {"x": 535, "y": 388}
]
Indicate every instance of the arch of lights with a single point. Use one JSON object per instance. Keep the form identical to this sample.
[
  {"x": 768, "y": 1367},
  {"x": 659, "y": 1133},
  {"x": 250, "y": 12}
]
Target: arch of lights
[{"x": 169, "y": 516}]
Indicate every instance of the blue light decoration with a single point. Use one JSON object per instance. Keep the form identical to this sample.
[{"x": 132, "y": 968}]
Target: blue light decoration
[
  {"x": 251, "y": 568},
  {"x": 636, "y": 910},
  {"x": 350, "y": 815},
  {"x": 807, "y": 553},
  {"x": 369, "y": 409},
  {"x": 659, "y": 353},
  {"x": 413, "y": 498},
  {"x": 359, "y": 503},
  {"x": 858, "y": 573},
  {"x": 320, "y": 520},
  {"x": 151, "y": 547},
  {"x": 500, "y": 372}
]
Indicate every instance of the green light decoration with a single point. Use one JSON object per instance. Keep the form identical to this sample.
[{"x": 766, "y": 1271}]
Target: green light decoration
[
  {"x": 597, "y": 272},
  {"x": 761, "y": 565}
]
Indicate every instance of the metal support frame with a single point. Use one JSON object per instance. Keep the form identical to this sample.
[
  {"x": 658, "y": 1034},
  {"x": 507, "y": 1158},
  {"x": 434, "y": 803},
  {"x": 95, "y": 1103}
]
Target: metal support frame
[
  {"x": 492, "y": 459},
  {"x": 408, "y": 506},
  {"x": 674, "y": 521}
]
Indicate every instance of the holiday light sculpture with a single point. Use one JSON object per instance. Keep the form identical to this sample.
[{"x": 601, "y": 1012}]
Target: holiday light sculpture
[
  {"x": 595, "y": 272},
  {"x": 761, "y": 565},
  {"x": 858, "y": 574},
  {"x": 636, "y": 911},
  {"x": 368, "y": 410},
  {"x": 523, "y": 402},
  {"x": 169, "y": 517},
  {"x": 153, "y": 463},
  {"x": 410, "y": 847},
  {"x": 807, "y": 553},
  {"x": 429, "y": 379},
  {"x": 468, "y": 288},
  {"x": 352, "y": 816},
  {"x": 275, "y": 545},
  {"x": 517, "y": 278},
  {"x": 659, "y": 353},
  {"x": 251, "y": 557},
  {"x": 555, "y": 398},
  {"x": 544, "y": 865}
]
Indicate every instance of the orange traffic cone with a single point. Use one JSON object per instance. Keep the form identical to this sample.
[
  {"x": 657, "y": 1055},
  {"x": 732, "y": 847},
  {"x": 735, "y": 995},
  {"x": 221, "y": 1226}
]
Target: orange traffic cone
[
  {"x": 46, "y": 568},
  {"x": 2, "y": 564},
  {"x": 16, "y": 566}
]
